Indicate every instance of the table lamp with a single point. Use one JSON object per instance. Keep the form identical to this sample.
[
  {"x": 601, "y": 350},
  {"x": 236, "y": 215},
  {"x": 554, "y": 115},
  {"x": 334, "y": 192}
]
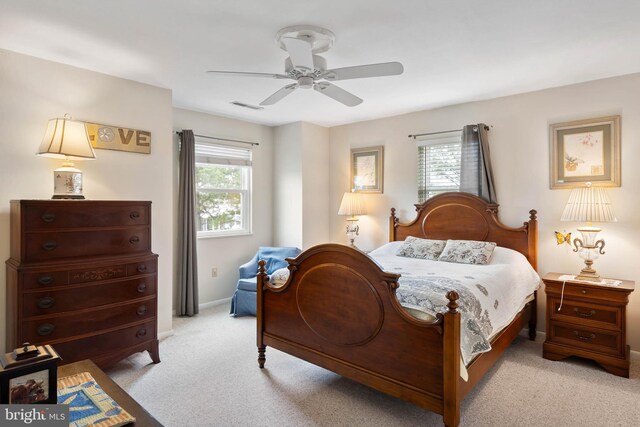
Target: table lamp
[
  {"x": 66, "y": 139},
  {"x": 352, "y": 204},
  {"x": 588, "y": 204}
]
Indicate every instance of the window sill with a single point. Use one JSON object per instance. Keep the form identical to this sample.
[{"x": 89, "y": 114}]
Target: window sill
[{"x": 216, "y": 234}]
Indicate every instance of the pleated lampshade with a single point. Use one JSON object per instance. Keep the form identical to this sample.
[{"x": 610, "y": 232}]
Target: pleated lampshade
[
  {"x": 352, "y": 205},
  {"x": 588, "y": 204}
]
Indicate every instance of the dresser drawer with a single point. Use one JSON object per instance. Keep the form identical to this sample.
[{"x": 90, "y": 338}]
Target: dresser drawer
[
  {"x": 74, "y": 214},
  {"x": 608, "y": 294},
  {"x": 86, "y": 322},
  {"x": 586, "y": 314},
  {"x": 45, "y": 246},
  {"x": 82, "y": 297},
  {"x": 591, "y": 339},
  {"x": 45, "y": 279},
  {"x": 101, "y": 344}
]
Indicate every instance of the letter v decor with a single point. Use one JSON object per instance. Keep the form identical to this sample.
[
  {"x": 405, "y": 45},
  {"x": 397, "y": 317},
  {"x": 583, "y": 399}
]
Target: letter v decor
[{"x": 116, "y": 138}]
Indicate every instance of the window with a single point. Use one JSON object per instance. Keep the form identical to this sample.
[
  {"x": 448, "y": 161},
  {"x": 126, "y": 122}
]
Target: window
[
  {"x": 223, "y": 189},
  {"x": 438, "y": 166}
]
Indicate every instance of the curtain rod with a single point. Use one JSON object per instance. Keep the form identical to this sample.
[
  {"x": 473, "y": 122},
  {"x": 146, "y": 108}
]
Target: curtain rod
[
  {"x": 221, "y": 139},
  {"x": 444, "y": 131}
]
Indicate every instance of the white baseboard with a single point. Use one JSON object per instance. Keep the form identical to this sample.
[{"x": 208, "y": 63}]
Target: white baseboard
[
  {"x": 209, "y": 304},
  {"x": 541, "y": 336},
  {"x": 214, "y": 303},
  {"x": 165, "y": 334}
]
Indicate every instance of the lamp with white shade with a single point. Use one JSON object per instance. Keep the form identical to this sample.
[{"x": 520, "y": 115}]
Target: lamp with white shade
[
  {"x": 588, "y": 204},
  {"x": 352, "y": 204},
  {"x": 66, "y": 139}
]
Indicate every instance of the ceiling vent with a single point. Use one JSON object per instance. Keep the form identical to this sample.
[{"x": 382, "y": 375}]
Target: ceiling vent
[{"x": 251, "y": 107}]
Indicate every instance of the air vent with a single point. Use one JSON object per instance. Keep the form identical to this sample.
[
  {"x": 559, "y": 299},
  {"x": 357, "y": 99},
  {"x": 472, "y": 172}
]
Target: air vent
[{"x": 242, "y": 104}]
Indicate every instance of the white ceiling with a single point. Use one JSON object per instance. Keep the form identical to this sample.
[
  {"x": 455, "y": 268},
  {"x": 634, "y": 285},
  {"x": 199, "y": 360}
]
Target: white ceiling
[{"x": 453, "y": 51}]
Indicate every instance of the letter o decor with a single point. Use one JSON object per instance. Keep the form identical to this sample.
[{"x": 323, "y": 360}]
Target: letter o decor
[{"x": 350, "y": 309}]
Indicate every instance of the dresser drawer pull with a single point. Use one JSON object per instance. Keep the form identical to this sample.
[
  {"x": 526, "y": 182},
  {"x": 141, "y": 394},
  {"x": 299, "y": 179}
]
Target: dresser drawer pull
[
  {"x": 48, "y": 217},
  {"x": 583, "y": 337},
  {"x": 46, "y": 302},
  {"x": 583, "y": 291},
  {"x": 142, "y": 287},
  {"x": 134, "y": 239},
  {"x": 583, "y": 314},
  {"x": 45, "y": 329},
  {"x": 49, "y": 246},
  {"x": 134, "y": 215},
  {"x": 141, "y": 333},
  {"x": 142, "y": 268},
  {"x": 142, "y": 310},
  {"x": 45, "y": 280}
]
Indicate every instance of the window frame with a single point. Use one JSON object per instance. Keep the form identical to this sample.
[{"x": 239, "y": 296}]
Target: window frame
[
  {"x": 246, "y": 192},
  {"x": 434, "y": 140}
]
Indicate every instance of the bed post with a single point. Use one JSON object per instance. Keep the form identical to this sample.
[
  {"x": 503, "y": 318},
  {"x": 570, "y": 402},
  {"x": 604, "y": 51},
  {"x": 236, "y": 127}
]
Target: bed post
[
  {"x": 451, "y": 362},
  {"x": 262, "y": 275},
  {"x": 532, "y": 230},
  {"x": 392, "y": 225}
]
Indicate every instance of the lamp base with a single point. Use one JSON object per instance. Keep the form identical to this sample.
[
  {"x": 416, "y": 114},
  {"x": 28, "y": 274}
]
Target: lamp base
[{"x": 67, "y": 183}]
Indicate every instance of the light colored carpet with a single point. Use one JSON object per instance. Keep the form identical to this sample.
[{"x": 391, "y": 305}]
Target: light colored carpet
[{"x": 209, "y": 376}]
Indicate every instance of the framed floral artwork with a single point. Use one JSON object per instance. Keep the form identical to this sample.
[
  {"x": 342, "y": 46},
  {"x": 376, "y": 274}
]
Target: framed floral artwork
[
  {"x": 585, "y": 151},
  {"x": 367, "y": 169}
]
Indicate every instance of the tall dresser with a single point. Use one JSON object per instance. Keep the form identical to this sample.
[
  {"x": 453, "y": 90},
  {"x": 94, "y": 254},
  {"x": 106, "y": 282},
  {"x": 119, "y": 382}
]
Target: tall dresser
[{"x": 82, "y": 278}]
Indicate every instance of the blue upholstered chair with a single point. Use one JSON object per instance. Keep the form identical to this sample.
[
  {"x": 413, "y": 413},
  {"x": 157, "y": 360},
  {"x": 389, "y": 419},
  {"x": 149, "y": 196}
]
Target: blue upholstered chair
[{"x": 243, "y": 302}]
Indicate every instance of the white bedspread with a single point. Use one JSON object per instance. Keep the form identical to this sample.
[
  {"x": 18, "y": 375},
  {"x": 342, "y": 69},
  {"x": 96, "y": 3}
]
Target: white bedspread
[{"x": 500, "y": 289}]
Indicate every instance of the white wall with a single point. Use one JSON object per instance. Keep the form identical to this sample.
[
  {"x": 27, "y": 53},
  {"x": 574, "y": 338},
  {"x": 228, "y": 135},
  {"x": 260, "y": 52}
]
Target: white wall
[
  {"x": 301, "y": 185},
  {"x": 228, "y": 253},
  {"x": 31, "y": 92},
  {"x": 520, "y": 154}
]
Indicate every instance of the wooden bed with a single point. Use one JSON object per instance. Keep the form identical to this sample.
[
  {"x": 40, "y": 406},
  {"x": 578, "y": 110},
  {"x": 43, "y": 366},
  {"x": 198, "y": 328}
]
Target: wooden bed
[{"x": 338, "y": 310}]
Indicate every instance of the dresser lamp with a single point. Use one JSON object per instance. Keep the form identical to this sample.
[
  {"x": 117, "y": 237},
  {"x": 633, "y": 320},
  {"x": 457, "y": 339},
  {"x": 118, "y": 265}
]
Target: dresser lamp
[
  {"x": 352, "y": 204},
  {"x": 588, "y": 204},
  {"x": 66, "y": 139}
]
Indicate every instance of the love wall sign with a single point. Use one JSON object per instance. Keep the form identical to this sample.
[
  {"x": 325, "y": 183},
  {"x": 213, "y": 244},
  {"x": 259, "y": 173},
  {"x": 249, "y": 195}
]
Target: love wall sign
[{"x": 121, "y": 139}]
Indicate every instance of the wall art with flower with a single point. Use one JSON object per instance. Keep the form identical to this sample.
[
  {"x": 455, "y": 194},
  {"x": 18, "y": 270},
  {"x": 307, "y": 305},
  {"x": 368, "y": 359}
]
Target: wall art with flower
[{"x": 585, "y": 151}]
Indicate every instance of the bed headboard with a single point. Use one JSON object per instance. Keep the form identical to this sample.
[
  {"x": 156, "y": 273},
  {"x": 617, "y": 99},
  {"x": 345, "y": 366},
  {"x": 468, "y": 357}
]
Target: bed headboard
[{"x": 463, "y": 216}]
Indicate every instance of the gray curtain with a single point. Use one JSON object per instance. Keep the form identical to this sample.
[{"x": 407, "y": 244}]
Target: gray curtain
[
  {"x": 187, "y": 232},
  {"x": 476, "y": 175}
]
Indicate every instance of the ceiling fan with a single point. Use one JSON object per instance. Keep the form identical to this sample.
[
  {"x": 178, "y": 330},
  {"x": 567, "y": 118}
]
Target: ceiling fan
[{"x": 303, "y": 43}]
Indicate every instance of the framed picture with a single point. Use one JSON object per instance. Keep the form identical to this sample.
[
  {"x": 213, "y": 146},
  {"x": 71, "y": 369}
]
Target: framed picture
[
  {"x": 367, "y": 169},
  {"x": 585, "y": 151},
  {"x": 29, "y": 375}
]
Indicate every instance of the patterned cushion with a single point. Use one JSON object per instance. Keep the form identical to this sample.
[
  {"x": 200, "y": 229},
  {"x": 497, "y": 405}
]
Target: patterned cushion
[
  {"x": 414, "y": 247},
  {"x": 280, "y": 276},
  {"x": 467, "y": 252}
]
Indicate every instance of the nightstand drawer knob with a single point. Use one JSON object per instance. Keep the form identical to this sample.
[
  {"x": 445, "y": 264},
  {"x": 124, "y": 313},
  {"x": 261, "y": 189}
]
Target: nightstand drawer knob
[
  {"x": 583, "y": 291},
  {"x": 583, "y": 337},
  {"x": 48, "y": 217},
  {"x": 583, "y": 314},
  {"x": 46, "y": 302},
  {"x": 45, "y": 329}
]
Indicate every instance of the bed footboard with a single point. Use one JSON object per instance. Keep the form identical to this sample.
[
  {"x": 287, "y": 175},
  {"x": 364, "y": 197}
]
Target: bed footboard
[{"x": 338, "y": 310}]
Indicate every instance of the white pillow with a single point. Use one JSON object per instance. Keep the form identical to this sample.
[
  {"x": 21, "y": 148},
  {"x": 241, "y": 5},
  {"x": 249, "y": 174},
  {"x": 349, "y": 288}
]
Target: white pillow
[
  {"x": 414, "y": 247},
  {"x": 467, "y": 252}
]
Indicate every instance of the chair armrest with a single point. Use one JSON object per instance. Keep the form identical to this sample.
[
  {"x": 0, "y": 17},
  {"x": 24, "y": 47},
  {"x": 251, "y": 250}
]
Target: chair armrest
[{"x": 249, "y": 269}]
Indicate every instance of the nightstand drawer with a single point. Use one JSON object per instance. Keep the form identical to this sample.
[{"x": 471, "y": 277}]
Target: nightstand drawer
[
  {"x": 587, "y": 338},
  {"x": 586, "y": 314},
  {"x": 591, "y": 292}
]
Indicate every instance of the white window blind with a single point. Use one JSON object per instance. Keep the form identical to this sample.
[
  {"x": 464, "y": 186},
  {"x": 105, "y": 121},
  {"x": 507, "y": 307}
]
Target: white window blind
[
  {"x": 222, "y": 154},
  {"x": 438, "y": 166}
]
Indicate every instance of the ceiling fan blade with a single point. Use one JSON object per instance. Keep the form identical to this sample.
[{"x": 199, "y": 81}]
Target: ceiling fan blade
[
  {"x": 339, "y": 94},
  {"x": 245, "y": 74},
  {"x": 300, "y": 53},
  {"x": 280, "y": 94},
  {"x": 364, "y": 71}
]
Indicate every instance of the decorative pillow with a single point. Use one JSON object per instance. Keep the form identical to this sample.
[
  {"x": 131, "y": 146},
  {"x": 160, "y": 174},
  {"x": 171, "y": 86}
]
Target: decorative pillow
[
  {"x": 467, "y": 252},
  {"x": 414, "y": 247},
  {"x": 280, "y": 276}
]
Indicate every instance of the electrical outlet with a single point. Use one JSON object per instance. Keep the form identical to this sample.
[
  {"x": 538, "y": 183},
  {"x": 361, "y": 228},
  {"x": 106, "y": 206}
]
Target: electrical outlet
[{"x": 214, "y": 272}]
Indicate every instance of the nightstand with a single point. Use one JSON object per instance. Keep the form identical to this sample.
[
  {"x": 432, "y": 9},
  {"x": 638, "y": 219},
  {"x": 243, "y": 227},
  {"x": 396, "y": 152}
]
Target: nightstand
[{"x": 591, "y": 322}]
